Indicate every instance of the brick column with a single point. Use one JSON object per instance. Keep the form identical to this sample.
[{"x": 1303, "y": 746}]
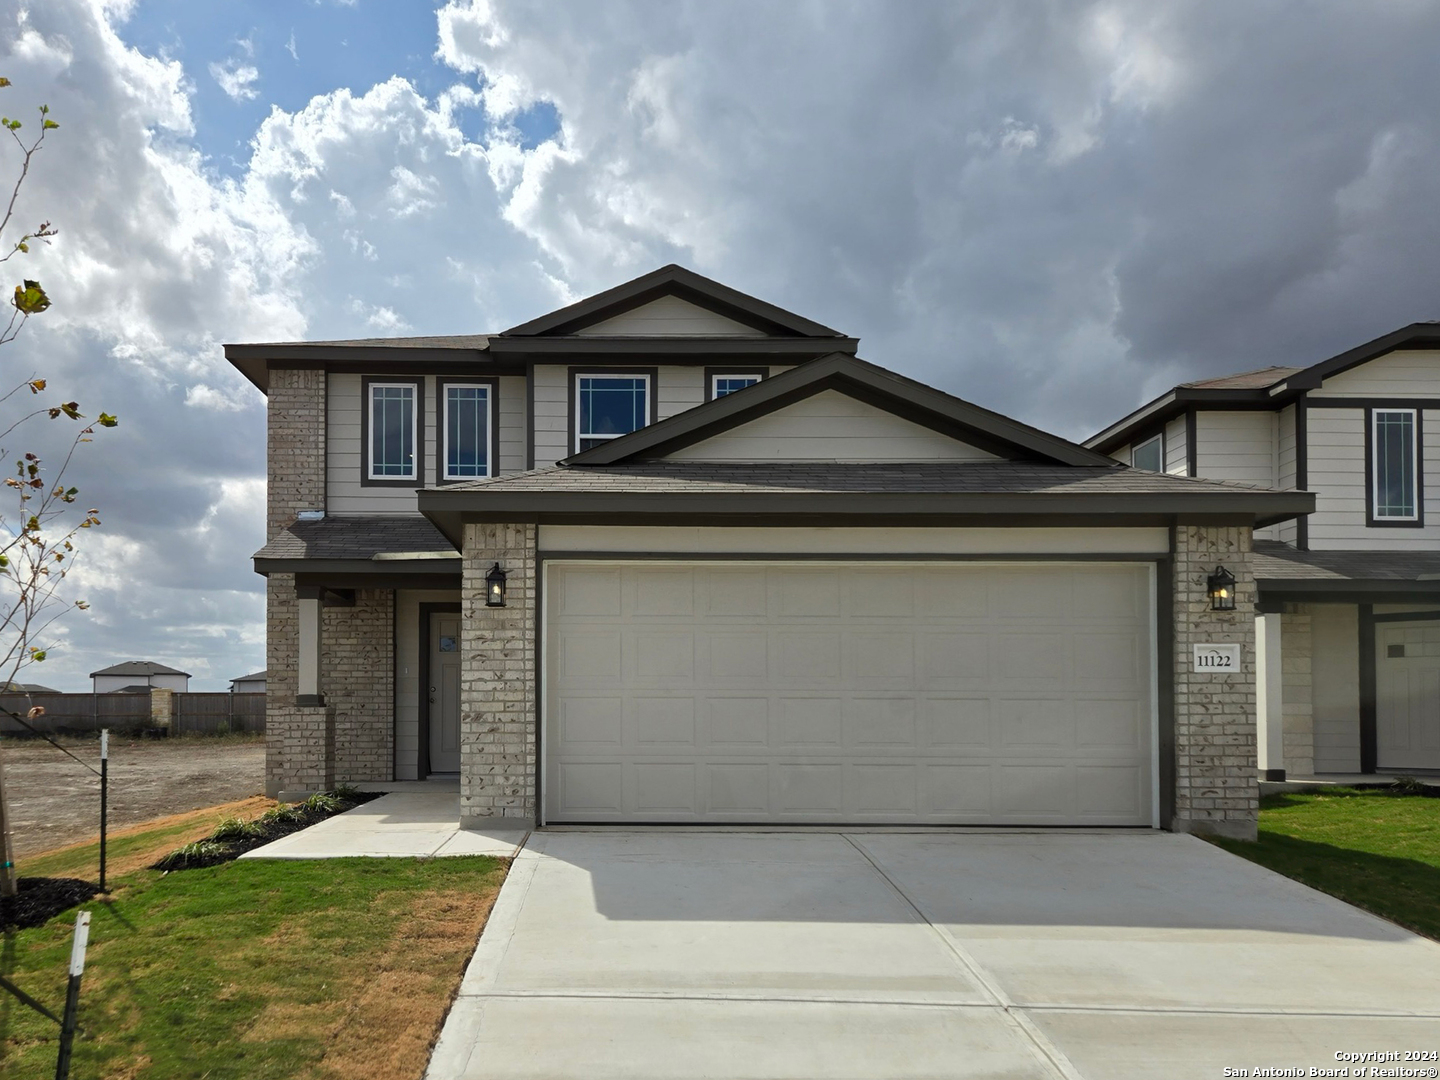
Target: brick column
[
  {"x": 1216, "y": 788},
  {"x": 498, "y": 716},
  {"x": 295, "y": 459},
  {"x": 358, "y": 679}
]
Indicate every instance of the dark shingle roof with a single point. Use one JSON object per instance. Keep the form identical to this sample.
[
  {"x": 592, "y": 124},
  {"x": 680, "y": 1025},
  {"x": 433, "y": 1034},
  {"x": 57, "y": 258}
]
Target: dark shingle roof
[
  {"x": 254, "y": 676},
  {"x": 701, "y": 477},
  {"x": 1245, "y": 380},
  {"x": 1275, "y": 561},
  {"x": 446, "y": 341},
  {"x": 355, "y": 538},
  {"x": 139, "y": 667}
]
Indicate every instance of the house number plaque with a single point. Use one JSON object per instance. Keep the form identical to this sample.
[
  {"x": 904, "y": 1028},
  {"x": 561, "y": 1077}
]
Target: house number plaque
[{"x": 1213, "y": 658}]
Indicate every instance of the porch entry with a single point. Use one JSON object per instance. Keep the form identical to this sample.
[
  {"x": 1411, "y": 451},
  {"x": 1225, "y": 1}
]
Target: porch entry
[
  {"x": 1407, "y": 695},
  {"x": 443, "y": 690}
]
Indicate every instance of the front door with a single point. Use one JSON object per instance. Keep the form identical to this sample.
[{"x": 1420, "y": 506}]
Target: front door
[
  {"x": 444, "y": 693},
  {"x": 1407, "y": 695}
]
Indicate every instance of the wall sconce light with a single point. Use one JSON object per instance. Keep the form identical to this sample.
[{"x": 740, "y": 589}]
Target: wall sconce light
[
  {"x": 495, "y": 587},
  {"x": 1221, "y": 585}
]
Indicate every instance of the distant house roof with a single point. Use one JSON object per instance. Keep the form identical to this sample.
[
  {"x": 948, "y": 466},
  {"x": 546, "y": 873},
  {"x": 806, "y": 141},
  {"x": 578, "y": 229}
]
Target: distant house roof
[
  {"x": 254, "y": 676},
  {"x": 139, "y": 667},
  {"x": 137, "y": 688},
  {"x": 1264, "y": 388},
  {"x": 28, "y": 688}
]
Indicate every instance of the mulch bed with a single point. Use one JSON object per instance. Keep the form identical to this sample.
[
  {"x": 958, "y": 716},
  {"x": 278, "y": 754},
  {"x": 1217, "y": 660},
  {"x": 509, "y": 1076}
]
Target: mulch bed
[
  {"x": 268, "y": 827},
  {"x": 39, "y": 899}
]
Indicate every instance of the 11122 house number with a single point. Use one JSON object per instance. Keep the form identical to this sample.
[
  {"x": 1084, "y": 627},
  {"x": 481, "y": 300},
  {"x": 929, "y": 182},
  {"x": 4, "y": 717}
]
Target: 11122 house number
[{"x": 1216, "y": 658}]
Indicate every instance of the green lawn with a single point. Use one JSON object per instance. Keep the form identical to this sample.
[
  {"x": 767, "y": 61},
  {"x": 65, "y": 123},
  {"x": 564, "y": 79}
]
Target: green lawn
[
  {"x": 1377, "y": 851},
  {"x": 256, "y": 969}
]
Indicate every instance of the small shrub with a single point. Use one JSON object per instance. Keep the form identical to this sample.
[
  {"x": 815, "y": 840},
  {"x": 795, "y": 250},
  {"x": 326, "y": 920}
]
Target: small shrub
[
  {"x": 1407, "y": 785},
  {"x": 283, "y": 815},
  {"x": 196, "y": 854},
  {"x": 348, "y": 792},
  {"x": 235, "y": 829},
  {"x": 324, "y": 802}
]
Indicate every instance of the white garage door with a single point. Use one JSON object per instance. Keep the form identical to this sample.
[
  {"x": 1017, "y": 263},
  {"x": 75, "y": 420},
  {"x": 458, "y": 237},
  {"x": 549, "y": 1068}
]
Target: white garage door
[{"x": 896, "y": 693}]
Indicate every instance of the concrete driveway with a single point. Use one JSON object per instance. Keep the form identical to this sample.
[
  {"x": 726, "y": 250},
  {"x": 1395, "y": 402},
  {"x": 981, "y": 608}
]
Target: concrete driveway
[{"x": 635, "y": 954}]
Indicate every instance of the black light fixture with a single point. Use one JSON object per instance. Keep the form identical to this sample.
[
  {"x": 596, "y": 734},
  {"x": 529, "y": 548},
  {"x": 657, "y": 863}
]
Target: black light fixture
[
  {"x": 1221, "y": 585},
  {"x": 495, "y": 587}
]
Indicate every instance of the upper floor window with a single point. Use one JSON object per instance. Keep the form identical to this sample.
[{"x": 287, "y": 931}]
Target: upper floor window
[
  {"x": 1149, "y": 455},
  {"x": 467, "y": 426},
  {"x": 1395, "y": 466},
  {"x": 392, "y": 414},
  {"x": 720, "y": 385},
  {"x": 610, "y": 405}
]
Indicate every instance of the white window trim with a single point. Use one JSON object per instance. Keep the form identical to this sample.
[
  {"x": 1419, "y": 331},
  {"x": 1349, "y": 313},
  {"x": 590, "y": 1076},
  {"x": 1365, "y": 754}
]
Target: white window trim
[
  {"x": 716, "y": 377},
  {"x": 415, "y": 392},
  {"x": 1375, "y": 514},
  {"x": 445, "y": 427},
  {"x": 643, "y": 376},
  {"x": 1157, "y": 439}
]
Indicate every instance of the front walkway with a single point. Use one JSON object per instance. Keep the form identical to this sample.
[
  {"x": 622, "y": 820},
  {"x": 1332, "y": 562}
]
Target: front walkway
[
  {"x": 1097, "y": 955},
  {"x": 416, "y": 822}
]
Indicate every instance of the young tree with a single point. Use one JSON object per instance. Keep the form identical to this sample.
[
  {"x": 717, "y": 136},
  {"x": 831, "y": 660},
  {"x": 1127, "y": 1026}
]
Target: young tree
[{"x": 37, "y": 544}]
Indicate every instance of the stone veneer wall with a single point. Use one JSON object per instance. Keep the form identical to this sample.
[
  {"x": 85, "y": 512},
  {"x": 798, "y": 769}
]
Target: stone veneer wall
[
  {"x": 1296, "y": 650},
  {"x": 1216, "y": 789},
  {"x": 498, "y": 717},
  {"x": 295, "y": 463},
  {"x": 358, "y": 680}
]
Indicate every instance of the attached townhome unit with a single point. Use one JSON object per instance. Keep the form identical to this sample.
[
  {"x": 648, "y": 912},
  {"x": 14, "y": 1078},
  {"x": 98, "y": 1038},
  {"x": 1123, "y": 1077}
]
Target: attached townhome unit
[
  {"x": 1347, "y": 629},
  {"x": 675, "y": 555}
]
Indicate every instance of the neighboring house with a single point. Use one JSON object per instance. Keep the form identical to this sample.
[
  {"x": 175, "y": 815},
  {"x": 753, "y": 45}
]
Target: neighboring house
[
  {"x": 1348, "y": 626},
  {"x": 138, "y": 677},
  {"x": 674, "y": 554},
  {"x": 254, "y": 683},
  {"x": 27, "y": 688}
]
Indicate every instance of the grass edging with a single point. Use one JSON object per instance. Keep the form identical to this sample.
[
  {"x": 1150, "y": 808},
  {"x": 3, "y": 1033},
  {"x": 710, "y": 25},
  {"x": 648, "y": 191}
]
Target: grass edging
[{"x": 234, "y": 836}]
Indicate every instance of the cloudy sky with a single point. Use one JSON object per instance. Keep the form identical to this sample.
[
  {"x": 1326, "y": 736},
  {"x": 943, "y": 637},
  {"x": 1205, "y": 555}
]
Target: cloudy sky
[{"x": 1052, "y": 209}]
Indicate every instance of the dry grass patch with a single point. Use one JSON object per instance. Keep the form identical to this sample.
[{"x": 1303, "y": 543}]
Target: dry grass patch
[{"x": 261, "y": 970}]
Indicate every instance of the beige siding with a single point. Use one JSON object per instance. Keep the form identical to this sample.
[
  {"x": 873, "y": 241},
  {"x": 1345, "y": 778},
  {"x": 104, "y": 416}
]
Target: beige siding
[
  {"x": 407, "y": 676},
  {"x": 344, "y": 456},
  {"x": 678, "y": 388},
  {"x": 1336, "y": 465},
  {"x": 1335, "y": 675},
  {"x": 851, "y": 541},
  {"x": 1285, "y": 466},
  {"x": 831, "y": 426},
  {"x": 1176, "y": 458},
  {"x": 1236, "y": 446},
  {"x": 671, "y": 316},
  {"x": 1408, "y": 373},
  {"x": 512, "y": 424}
]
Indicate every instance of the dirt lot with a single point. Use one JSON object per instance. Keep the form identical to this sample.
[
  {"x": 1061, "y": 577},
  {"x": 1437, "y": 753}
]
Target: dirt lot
[{"x": 55, "y": 801}]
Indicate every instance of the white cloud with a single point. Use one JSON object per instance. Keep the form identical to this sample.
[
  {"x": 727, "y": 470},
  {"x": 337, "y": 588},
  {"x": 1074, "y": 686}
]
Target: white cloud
[
  {"x": 237, "y": 76},
  {"x": 290, "y": 47}
]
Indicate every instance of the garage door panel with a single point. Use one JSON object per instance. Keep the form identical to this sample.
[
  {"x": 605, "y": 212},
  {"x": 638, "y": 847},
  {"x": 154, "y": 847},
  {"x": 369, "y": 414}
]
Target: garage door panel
[
  {"x": 812, "y": 790},
  {"x": 663, "y": 656},
  {"x": 665, "y": 723},
  {"x": 820, "y": 694},
  {"x": 957, "y": 722},
  {"x": 881, "y": 723},
  {"x": 807, "y": 723}
]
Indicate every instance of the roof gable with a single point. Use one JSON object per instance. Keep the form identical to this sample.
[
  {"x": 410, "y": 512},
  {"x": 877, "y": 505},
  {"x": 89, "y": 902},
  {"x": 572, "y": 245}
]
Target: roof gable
[
  {"x": 923, "y": 407},
  {"x": 672, "y": 282},
  {"x": 831, "y": 426},
  {"x": 669, "y": 316}
]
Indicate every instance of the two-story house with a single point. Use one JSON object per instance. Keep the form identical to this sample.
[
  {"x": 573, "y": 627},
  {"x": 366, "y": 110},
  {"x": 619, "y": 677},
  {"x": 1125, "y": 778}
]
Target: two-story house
[
  {"x": 674, "y": 554},
  {"x": 1348, "y": 624}
]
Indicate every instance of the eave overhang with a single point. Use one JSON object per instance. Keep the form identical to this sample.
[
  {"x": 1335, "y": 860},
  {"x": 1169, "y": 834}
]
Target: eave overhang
[{"x": 450, "y": 511}]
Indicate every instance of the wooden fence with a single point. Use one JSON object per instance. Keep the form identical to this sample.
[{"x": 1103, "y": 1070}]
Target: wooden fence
[{"x": 191, "y": 714}]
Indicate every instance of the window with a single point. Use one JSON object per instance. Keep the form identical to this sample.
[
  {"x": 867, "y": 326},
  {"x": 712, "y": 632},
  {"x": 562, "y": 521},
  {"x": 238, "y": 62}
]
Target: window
[
  {"x": 608, "y": 406},
  {"x": 1149, "y": 455},
  {"x": 467, "y": 418},
  {"x": 720, "y": 385},
  {"x": 1394, "y": 465},
  {"x": 393, "y": 422}
]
